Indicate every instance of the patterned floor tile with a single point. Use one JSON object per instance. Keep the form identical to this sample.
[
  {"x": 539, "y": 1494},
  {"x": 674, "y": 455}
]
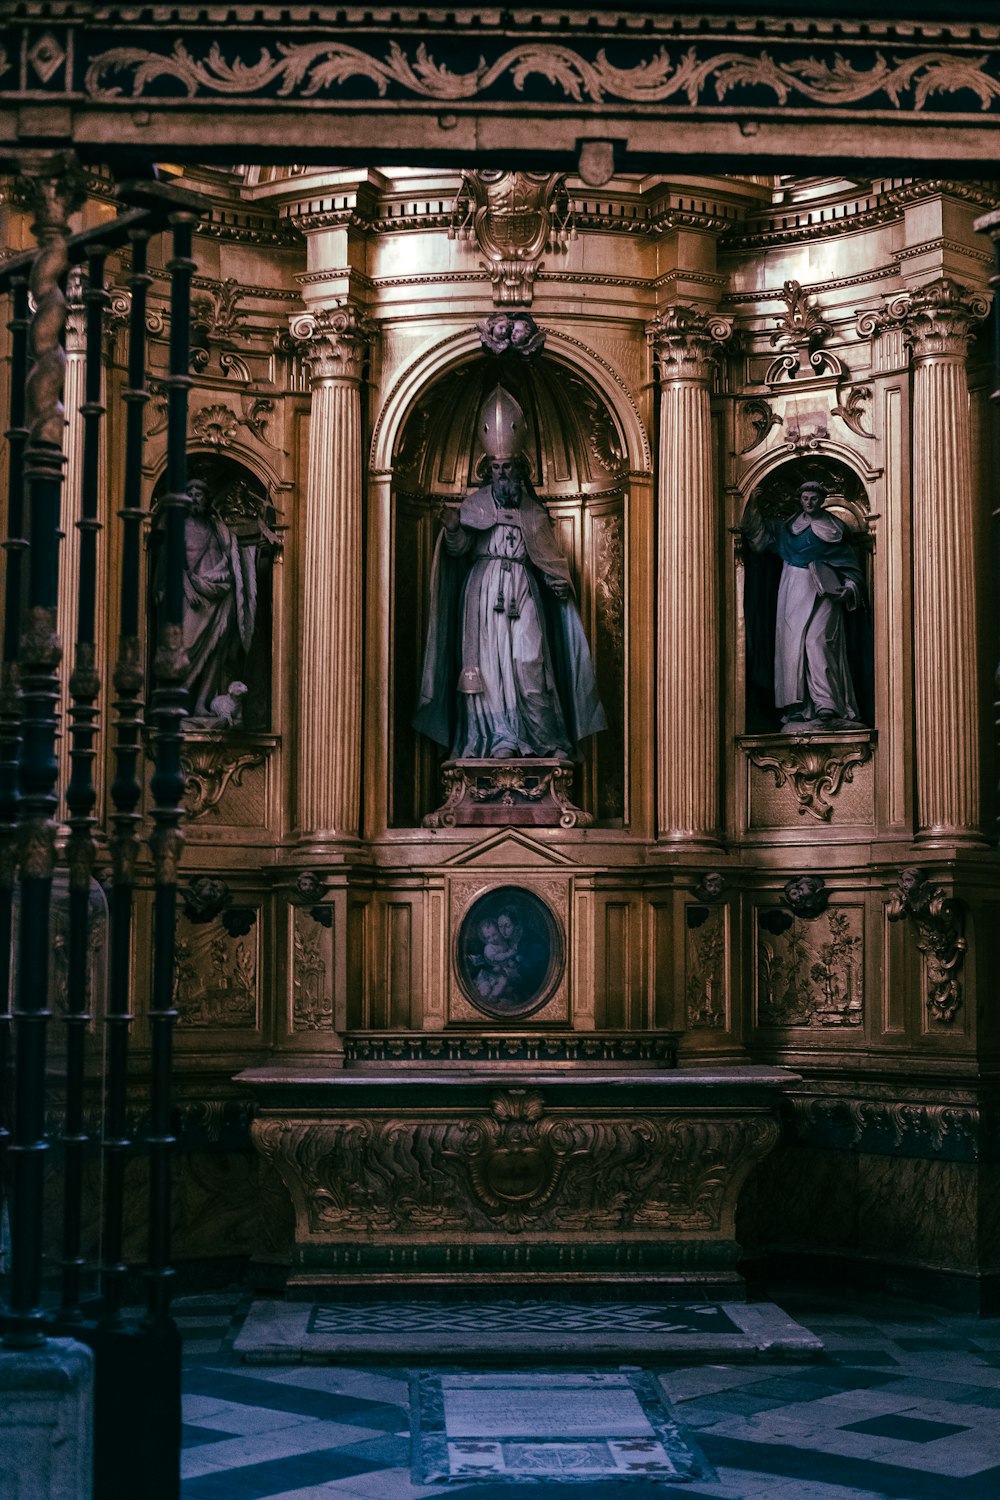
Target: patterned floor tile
[
  {"x": 848, "y": 1427},
  {"x": 910, "y": 1429}
]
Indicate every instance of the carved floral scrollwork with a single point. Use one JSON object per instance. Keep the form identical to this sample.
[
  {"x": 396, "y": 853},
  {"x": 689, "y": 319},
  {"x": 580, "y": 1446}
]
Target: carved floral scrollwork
[
  {"x": 815, "y": 770},
  {"x": 757, "y": 419},
  {"x": 938, "y": 919},
  {"x": 800, "y": 335},
  {"x": 505, "y": 788},
  {"x": 312, "y": 999},
  {"x": 210, "y": 767},
  {"x": 851, "y": 409},
  {"x": 940, "y": 1128},
  {"x": 311, "y": 69},
  {"x": 610, "y": 579},
  {"x": 705, "y": 962},
  {"x": 516, "y": 1168}
]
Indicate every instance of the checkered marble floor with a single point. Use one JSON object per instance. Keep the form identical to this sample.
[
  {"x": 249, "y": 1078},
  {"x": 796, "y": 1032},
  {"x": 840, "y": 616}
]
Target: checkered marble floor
[{"x": 905, "y": 1403}]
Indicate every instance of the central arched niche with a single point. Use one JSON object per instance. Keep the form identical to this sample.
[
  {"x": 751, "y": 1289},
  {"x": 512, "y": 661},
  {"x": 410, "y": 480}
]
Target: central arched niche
[{"x": 579, "y": 468}]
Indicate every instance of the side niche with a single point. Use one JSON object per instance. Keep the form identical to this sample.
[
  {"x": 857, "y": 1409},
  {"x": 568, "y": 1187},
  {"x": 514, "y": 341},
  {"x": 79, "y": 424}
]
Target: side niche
[
  {"x": 805, "y": 546},
  {"x": 231, "y": 540}
]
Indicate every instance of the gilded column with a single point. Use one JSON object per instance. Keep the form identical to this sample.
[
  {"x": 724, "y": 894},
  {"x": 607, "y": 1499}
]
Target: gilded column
[
  {"x": 330, "y": 644},
  {"x": 938, "y": 317},
  {"x": 687, "y": 629}
]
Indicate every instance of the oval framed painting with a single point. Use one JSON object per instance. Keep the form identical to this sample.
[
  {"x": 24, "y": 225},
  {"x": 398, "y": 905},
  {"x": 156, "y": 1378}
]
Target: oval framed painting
[{"x": 509, "y": 953}]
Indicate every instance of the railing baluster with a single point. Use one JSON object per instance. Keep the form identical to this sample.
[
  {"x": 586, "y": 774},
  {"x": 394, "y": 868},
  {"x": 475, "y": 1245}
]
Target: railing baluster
[
  {"x": 168, "y": 709},
  {"x": 81, "y": 794},
  {"x": 126, "y": 793},
  {"x": 55, "y": 192},
  {"x": 10, "y": 695}
]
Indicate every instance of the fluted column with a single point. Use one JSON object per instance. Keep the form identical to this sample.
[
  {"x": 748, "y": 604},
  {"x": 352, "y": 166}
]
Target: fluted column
[
  {"x": 937, "y": 319},
  {"x": 330, "y": 645},
  {"x": 687, "y": 627}
]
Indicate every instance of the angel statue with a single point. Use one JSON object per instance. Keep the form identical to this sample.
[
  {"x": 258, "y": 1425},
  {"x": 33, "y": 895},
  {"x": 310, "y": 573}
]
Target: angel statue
[{"x": 507, "y": 670}]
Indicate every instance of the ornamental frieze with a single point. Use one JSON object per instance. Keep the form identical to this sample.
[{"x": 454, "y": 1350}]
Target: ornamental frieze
[{"x": 686, "y": 64}]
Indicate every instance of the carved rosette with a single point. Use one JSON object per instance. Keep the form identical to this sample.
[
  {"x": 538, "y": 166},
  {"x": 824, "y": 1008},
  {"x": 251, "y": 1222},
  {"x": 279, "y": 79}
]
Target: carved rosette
[{"x": 333, "y": 341}]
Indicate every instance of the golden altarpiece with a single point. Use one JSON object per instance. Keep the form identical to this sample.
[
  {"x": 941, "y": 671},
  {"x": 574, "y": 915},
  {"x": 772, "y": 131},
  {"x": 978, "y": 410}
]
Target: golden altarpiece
[{"x": 766, "y": 980}]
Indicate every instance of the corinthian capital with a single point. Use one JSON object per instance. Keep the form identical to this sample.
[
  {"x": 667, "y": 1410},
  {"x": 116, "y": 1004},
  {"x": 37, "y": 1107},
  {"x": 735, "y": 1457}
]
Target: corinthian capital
[
  {"x": 333, "y": 340},
  {"x": 936, "y": 318},
  {"x": 940, "y": 317},
  {"x": 688, "y": 342}
]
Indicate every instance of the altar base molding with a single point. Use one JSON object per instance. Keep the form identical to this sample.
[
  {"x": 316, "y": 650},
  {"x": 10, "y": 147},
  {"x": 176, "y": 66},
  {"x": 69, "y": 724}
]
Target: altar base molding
[{"x": 617, "y": 1180}]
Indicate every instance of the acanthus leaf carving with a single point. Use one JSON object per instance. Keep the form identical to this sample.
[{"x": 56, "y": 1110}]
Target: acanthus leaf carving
[
  {"x": 757, "y": 420},
  {"x": 851, "y": 409},
  {"x": 308, "y": 69},
  {"x": 802, "y": 331},
  {"x": 516, "y": 1168}
]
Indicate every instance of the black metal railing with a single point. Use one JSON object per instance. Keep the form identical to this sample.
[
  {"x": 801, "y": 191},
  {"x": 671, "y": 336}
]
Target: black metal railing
[{"x": 137, "y": 1363}]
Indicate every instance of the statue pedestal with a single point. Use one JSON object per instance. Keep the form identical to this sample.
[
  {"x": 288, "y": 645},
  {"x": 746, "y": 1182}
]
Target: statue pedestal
[{"x": 508, "y": 793}]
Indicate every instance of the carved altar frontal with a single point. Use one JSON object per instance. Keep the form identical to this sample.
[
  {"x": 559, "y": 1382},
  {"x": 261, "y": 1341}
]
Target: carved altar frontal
[
  {"x": 530, "y": 793},
  {"x": 426, "y": 1179}
]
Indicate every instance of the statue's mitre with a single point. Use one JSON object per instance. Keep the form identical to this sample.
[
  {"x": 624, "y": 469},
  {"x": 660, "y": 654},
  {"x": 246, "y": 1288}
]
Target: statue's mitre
[{"x": 501, "y": 425}]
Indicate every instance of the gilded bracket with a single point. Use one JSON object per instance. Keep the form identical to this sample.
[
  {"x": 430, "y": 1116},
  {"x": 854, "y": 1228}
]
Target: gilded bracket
[
  {"x": 815, "y": 768},
  {"x": 210, "y": 767}
]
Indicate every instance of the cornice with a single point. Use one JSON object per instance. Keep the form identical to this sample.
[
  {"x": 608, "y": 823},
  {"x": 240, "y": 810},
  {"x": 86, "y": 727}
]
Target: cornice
[
  {"x": 933, "y": 247},
  {"x": 814, "y": 288},
  {"x": 761, "y": 231},
  {"x": 561, "y": 20}
]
